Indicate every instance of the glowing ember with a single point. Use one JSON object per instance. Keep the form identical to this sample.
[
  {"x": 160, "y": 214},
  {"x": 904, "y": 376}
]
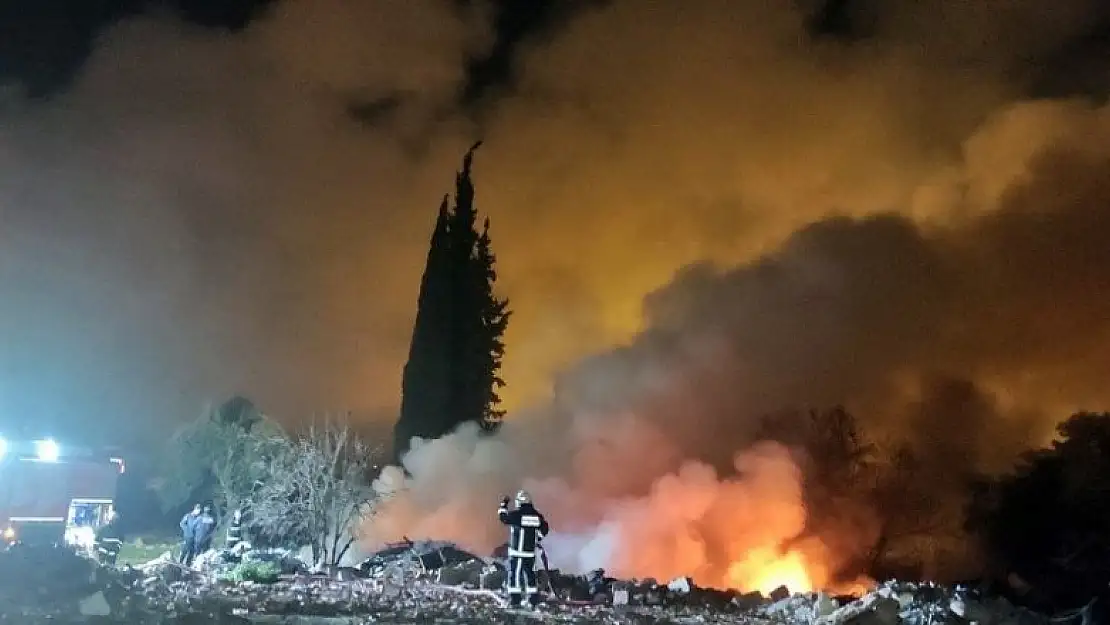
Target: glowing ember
[{"x": 765, "y": 570}]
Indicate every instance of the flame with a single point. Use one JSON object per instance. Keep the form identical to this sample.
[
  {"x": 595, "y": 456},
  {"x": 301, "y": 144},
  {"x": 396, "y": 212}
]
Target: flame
[
  {"x": 742, "y": 531},
  {"x": 764, "y": 569},
  {"x": 857, "y": 587}
]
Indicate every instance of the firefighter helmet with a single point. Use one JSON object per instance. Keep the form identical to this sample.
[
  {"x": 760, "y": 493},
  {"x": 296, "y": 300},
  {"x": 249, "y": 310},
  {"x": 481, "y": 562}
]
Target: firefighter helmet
[{"x": 522, "y": 497}]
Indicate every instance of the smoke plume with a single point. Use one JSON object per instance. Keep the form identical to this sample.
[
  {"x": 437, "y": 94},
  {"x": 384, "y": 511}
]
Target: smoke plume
[
  {"x": 948, "y": 335},
  {"x": 758, "y": 217},
  {"x": 206, "y": 213}
]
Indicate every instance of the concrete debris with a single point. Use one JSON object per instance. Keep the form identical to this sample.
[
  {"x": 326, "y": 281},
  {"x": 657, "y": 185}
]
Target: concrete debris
[
  {"x": 435, "y": 582},
  {"x": 94, "y": 605},
  {"x": 165, "y": 569},
  {"x": 286, "y": 561},
  {"x": 468, "y": 574},
  {"x": 211, "y": 561},
  {"x": 620, "y": 595},
  {"x": 681, "y": 585},
  {"x": 417, "y": 558},
  {"x": 900, "y": 603},
  {"x": 823, "y": 606}
]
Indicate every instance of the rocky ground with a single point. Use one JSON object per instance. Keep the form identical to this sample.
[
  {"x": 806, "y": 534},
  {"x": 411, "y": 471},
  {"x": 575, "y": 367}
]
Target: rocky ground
[{"x": 435, "y": 583}]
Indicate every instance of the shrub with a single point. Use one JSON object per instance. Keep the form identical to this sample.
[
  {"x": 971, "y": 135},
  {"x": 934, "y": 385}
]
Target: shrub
[{"x": 257, "y": 572}]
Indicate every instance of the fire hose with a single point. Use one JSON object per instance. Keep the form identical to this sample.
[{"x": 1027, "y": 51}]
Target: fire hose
[{"x": 546, "y": 569}]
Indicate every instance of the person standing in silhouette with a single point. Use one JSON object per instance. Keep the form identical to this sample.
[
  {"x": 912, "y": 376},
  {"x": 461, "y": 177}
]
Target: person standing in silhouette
[
  {"x": 188, "y": 546},
  {"x": 204, "y": 530}
]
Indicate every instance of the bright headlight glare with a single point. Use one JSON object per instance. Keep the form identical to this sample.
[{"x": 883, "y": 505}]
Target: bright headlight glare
[
  {"x": 84, "y": 536},
  {"x": 47, "y": 450}
]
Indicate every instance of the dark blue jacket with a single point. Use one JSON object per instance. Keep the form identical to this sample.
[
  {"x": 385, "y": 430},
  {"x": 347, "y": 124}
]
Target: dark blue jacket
[
  {"x": 204, "y": 527},
  {"x": 187, "y": 525}
]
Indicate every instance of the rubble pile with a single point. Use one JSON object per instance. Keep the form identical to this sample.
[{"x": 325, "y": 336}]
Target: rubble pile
[
  {"x": 223, "y": 563},
  {"x": 435, "y": 582},
  {"x": 39, "y": 584},
  {"x": 901, "y": 603},
  {"x": 434, "y": 561},
  {"x": 412, "y": 565}
]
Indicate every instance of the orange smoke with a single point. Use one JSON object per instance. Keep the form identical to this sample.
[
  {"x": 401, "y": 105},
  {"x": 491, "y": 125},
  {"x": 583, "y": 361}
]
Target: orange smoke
[
  {"x": 721, "y": 531},
  {"x": 724, "y": 532}
]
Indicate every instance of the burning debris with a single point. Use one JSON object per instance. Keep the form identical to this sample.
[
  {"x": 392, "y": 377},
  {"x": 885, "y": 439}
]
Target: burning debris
[{"x": 430, "y": 580}]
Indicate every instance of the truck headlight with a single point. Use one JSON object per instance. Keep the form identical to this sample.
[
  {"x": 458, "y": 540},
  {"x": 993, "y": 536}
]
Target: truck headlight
[
  {"x": 47, "y": 450},
  {"x": 9, "y": 534},
  {"x": 84, "y": 537}
]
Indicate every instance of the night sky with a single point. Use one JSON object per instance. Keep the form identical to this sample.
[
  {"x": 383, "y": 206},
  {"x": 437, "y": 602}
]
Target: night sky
[
  {"x": 203, "y": 197},
  {"x": 46, "y": 43}
]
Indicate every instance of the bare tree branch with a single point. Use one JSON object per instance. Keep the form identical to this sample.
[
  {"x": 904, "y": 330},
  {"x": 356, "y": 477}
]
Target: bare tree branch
[{"x": 318, "y": 490}]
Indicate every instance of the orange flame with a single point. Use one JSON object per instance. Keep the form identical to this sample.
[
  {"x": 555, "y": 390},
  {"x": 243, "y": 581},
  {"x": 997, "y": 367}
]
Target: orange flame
[
  {"x": 741, "y": 532},
  {"x": 765, "y": 570}
]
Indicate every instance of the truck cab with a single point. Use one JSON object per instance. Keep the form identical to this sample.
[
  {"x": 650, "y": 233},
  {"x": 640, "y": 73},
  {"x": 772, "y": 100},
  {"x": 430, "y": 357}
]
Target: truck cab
[{"x": 54, "y": 494}]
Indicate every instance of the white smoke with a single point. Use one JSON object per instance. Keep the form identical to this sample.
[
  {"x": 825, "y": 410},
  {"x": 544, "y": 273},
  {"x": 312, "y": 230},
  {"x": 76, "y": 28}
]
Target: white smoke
[{"x": 688, "y": 520}]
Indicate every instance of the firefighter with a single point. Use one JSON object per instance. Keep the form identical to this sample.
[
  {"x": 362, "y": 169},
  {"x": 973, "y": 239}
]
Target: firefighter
[
  {"x": 188, "y": 530},
  {"x": 109, "y": 540},
  {"x": 527, "y": 527},
  {"x": 235, "y": 529}
]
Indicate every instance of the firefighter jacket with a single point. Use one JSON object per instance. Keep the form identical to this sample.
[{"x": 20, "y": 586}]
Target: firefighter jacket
[{"x": 527, "y": 527}]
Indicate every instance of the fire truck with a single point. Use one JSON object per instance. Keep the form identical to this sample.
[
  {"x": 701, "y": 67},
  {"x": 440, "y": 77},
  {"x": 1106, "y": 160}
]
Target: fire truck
[{"x": 52, "y": 494}]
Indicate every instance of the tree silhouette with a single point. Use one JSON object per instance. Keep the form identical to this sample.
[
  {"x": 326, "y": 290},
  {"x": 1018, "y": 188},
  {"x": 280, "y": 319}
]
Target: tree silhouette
[
  {"x": 238, "y": 411},
  {"x": 490, "y": 350},
  {"x": 1049, "y": 519},
  {"x": 883, "y": 494},
  {"x": 215, "y": 457},
  {"x": 451, "y": 376}
]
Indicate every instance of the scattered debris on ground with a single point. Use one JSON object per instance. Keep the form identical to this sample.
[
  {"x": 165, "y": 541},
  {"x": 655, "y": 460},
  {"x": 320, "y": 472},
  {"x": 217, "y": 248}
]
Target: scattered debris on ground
[
  {"x": 435, "y": 582},
  {"x": 901, "y": 603}
]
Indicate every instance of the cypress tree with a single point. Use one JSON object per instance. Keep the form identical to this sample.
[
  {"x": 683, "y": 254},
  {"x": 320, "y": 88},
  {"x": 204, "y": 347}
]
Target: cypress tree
[
  {"x": 493, "y": 320},
  {"x": 424, "y": 382},
  {"x": 452, "y": 373}
]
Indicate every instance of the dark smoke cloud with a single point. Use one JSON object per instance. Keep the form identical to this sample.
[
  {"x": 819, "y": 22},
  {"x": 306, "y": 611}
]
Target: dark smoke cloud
[
  {"x": 868, "y": 310},
  {"x": 964, "y": 338},
  {"x": 201, "y": 215},
  {"x": 887, "y": 222}
]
